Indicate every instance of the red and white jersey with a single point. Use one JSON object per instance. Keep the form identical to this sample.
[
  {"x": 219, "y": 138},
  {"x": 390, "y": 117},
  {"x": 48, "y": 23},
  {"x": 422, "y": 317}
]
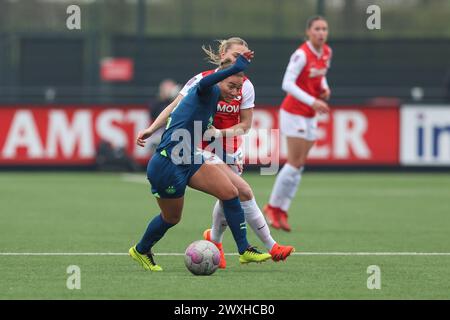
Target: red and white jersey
[
  {"x": 305, "y": 79},
  {"x": 228, "y": 113}
]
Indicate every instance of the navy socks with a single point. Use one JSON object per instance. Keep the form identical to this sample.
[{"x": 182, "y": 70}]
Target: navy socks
[
  {"x": 233, "y": 214},
  {"x": 236, "y": 221},
  {"x": 155, "y": 231}
]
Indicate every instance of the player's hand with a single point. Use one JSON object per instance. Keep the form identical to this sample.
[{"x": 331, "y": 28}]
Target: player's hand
[
  {"x": 142, "y": 136},
  {"x": 249, "y": 55},
  {"x": 212, "y": 132},
  {"x": 239, "y": 165},
  {"x": 325, "y": 95},
  {"x": 239, "y": 162},
  {"x": 320, "y": 106}
]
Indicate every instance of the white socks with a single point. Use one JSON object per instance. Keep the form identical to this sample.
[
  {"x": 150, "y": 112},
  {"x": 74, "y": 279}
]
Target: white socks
[
  {"x": 285, "y": 187},
  {"x": 253, "y": 216},
  {"x": 255, "y": 219},
  {"x": 219, "y": 223}
]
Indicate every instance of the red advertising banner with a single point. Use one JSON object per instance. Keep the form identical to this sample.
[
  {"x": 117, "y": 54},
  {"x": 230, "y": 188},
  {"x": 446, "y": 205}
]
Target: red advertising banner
[
  {"x": 348, "y": 135},
  {"x": 69, "y": 135}
]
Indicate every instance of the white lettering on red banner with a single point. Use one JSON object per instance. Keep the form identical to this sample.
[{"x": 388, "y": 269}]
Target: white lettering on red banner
[
  {"x": 68, "y": 135},
  {"x": 71, "y": 134}
]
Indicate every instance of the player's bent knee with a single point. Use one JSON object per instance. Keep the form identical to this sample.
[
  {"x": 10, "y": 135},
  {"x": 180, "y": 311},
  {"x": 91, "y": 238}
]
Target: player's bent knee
[
  {"x": 245, "y": 193},
  {"x": 229, "y": 193}
]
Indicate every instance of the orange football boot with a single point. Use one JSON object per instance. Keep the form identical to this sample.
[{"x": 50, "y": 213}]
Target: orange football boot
[
  {"x": 279, "y": 252},
  {"x": 283, "y": 220},
  {"x": 207, "y": 236},
  {"x": 272, "y": 215}
]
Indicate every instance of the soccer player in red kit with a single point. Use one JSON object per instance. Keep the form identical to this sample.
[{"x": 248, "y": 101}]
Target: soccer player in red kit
[
  {"x": 307, "y": 90},
  {"x": 232, "y": 118}
]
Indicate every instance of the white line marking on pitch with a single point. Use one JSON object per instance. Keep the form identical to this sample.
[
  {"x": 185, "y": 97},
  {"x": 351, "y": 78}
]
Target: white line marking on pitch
[
  {"x": 141, "y": 178},
  {"x": 229, "y": 254},
  {"x": 315, "y": 192}
]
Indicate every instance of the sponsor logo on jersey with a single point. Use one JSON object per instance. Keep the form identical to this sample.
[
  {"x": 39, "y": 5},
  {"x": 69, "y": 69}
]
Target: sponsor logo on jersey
[
  {"x": 227, "y": 108},
  {"x": 314, "y": 72}
]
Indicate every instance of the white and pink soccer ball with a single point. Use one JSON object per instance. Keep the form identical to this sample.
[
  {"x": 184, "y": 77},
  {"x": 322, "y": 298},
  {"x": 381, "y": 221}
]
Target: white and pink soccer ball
[{"x": 202, "y": 258}]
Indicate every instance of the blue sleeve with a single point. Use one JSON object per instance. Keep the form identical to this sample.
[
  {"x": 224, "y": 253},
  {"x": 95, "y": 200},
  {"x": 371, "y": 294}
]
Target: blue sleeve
[{"x": 205, "y": 85}]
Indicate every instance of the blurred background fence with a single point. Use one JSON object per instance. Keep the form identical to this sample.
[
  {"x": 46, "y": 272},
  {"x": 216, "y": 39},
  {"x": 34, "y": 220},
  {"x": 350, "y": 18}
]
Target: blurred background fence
[
  {"x": 41, "y": 61},
  {"x": 65, "y": 94}
]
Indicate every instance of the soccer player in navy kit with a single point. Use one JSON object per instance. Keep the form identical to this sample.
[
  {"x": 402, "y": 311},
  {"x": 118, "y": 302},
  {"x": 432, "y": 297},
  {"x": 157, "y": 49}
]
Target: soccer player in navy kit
[{"x": 175, "y": 165}]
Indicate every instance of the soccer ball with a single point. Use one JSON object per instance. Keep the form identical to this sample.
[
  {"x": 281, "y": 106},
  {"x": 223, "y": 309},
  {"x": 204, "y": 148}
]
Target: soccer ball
[{"x": 202, "y": 258}]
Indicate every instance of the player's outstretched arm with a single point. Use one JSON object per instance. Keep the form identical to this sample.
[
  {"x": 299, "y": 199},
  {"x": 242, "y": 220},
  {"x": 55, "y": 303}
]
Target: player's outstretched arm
[
  {"x": 158, "y": 123},
  {"x": 241, "y": 64}
]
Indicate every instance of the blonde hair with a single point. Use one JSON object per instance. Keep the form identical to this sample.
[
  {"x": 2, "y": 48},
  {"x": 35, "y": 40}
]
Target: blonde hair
[{"x": 214, "y": 57}]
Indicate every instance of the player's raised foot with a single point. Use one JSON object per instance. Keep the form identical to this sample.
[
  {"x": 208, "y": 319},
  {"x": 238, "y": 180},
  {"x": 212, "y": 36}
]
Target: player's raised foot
[
  {"x": 145, "y": 260},
  {"x": 284, "y": 224},
  {"x": 272, "y": 215},
  {"x": 253, "y": 255},
  {"x": 207, "y": 236},
  {"x": 279, "y": 252}
]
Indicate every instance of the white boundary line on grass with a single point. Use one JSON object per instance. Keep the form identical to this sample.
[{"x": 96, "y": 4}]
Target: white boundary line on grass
[{"x": 229, "y": 254}]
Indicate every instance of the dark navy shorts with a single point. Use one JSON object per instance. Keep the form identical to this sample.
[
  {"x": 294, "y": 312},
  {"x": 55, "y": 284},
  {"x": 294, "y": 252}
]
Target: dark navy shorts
[{"x": 169, "y": 180}]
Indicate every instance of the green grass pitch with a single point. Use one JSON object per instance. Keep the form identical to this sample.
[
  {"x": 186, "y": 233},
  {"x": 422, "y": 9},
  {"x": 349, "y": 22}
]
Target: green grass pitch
[{"x": 333, "y": 213}]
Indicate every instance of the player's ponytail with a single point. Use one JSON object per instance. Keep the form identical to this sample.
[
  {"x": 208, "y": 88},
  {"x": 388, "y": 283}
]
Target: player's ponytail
[{"x": 214, "y": 57}]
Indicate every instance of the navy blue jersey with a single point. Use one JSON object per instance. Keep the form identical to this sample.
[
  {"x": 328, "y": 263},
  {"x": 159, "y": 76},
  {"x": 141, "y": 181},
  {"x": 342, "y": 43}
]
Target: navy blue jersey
[{"x": 194, "y": 115}]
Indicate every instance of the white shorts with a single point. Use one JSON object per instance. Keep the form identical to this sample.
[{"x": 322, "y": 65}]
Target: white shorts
[
  {"x": 237, "y": 167},
  {"x": 293, "y": 125}
]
